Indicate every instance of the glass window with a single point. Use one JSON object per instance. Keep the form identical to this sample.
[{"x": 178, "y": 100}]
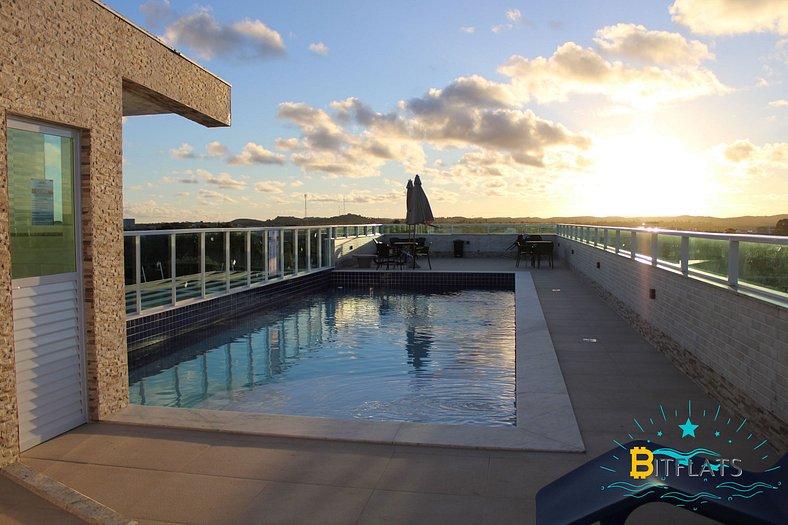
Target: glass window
[{"x": 41, "y": 198}]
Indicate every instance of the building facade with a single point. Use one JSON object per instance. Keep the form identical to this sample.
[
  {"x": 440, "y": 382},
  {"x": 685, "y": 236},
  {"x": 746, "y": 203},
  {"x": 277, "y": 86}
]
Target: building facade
[{"x": 71, "y": 69}]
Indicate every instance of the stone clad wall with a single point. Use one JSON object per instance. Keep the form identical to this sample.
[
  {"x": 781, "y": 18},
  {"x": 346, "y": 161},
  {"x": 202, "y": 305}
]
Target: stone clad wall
[
  {"x": 734, "y": 346},
  {"x": 64, "y": 62}
]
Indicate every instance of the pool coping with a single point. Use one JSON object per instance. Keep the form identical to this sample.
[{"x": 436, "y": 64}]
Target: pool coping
[{"x": 545, "y": 417}]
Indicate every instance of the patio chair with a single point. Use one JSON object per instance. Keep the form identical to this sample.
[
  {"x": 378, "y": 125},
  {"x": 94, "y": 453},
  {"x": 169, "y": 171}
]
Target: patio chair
[
  {"x": 423, "y": 250},
  {"x": 543, "y": 249},
  {"x": 385, "y": 254},
  {"x": 524, "y": 249}
]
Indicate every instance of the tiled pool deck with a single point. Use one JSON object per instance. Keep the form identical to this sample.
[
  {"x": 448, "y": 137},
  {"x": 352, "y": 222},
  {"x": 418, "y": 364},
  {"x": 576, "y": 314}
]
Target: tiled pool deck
[{"x": 170, "y": 475}]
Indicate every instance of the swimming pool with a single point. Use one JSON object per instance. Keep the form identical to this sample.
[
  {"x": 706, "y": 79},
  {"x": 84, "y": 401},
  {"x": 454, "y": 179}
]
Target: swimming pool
[{"x": 379, "y": 354}]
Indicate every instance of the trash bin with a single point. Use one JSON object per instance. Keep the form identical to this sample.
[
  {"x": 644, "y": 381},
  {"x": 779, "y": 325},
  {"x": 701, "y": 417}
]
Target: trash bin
[{"x": 458, "y": 247}]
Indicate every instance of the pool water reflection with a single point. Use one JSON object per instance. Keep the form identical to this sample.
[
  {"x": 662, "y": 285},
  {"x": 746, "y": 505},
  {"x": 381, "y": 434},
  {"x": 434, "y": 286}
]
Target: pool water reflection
[{"x": 444, "y": 357}]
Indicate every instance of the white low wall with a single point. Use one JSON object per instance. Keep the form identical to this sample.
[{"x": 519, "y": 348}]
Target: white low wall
[{"x": 735, "y": 346}]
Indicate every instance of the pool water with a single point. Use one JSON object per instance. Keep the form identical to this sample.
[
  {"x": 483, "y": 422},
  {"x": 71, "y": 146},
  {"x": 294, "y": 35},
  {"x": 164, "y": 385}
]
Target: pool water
[{"x": 444, "y": 358}]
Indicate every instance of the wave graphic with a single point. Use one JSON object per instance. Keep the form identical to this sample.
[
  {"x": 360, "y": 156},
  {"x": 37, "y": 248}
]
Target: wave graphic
[
  {"x": 677, "y": 454},
  {"x": 686, "y": 498},
  {"x": 745, "y": 488},
  {"x": 743, "y": 496},
  {"x": 685, "y": 457}
]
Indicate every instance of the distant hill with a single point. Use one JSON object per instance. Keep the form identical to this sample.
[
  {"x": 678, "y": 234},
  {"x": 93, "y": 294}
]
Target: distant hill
[{"x": 747, "y": 223}]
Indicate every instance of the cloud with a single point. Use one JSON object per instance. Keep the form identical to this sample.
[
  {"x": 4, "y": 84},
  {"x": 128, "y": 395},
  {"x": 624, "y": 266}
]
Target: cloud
[
  {"x": 216, "y": 149},
  {"x": 213, "y": 198},
  {"x": 746, "y": 158},
  {"x": 635, "y": 42},
  {"x": 319, "y": 49},
  {"x": 256, "y": 154},
  {"x": 731, "y": 17},
  {"x": 296, "y": 183},
  {"x": 208, "y": 38},
  {"x": 269, "y": 186},
  {"x": 151, "y": 211},
  {"x": 183, "y": 193},
  {"x": 223, "y": 180},
  {"x": 574, "y": 70},
  {"x": 468, "y": 29},
  {"x": 514, "y": 17},
  {"x": 157, "y": 12},
  {"x": 779, "y": 103},
  {"x": 184, "y": 151}
]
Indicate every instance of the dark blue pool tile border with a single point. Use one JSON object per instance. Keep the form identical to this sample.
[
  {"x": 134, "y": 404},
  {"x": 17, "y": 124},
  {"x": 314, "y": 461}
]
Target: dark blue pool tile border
[
  {"x": 425, "y": 280},
  {"x": 154, "y": 328}
]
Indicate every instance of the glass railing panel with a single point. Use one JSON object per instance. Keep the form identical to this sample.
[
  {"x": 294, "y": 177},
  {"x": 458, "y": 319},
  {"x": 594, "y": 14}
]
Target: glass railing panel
[
  {"x": 188, "y": 277},
  {"x": 274, "y": 254},
  {"x": 625, "y": 243},
  {"x": 238, "y": 269},
  {"x": 764, "y": 265},
  {"x": 258, "y": 257},
  {"x": 302, "y": 255},
  {"x": 314, "y": 249},
  {"x": 130, "y": 273},
  {"x": 643, "y": 242},
  {"x": 669, "y": 250},
  {"x": 327, "y": 250},
  {"x": 502, "y": 228},
  {"x": 708, "y": 256},
  {"x": 289, "y": 253},
  {"x": 156, "y": 287},
  {"x": 215, "y": 277},
  {"x": 599, "y": 237}
]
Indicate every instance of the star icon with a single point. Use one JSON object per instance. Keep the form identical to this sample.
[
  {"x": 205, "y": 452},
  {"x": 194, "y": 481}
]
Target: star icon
[
  {"x": 688, "y": 429},
  {"x": 659, "y": 434},
  {"x": 717, "y": 434}
]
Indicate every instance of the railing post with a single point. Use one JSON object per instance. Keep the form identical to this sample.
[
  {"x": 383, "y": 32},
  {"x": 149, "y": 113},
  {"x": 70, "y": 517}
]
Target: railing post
[
  {"x": 684, "y": 254},
  {"x": 248, "y": 258},
  {"x": 654, "y": 247},
  {"x": 138, "y": 274},
  {"x": 607, "y": 239},
  {"x": 633, "y": 244},
  {"x": 733, "y": 263},
  {"x": 308, "y": 250},
  {"x": 618, "y": 241},
  {"x": 265, "y": 256},
  {"x": 173, "y": 285},
  {"x": 295, "y": 251},
  {"x": 202, "y": 264},
  {"x": 319, "y": 247},
  {"x": 596, "y": 236},
  {"x": 226, "y": 261},
  {"x": 281, "y": 262}
]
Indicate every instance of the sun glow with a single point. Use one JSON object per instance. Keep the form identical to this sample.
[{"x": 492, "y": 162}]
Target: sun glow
[{"x": 647, "y": 174}]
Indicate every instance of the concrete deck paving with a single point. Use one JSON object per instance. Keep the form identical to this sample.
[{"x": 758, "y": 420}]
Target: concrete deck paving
[{"x": 165, "y": 475}]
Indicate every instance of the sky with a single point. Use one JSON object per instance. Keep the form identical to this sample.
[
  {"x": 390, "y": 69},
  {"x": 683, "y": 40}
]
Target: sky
[{"x": 504, "y": 109}]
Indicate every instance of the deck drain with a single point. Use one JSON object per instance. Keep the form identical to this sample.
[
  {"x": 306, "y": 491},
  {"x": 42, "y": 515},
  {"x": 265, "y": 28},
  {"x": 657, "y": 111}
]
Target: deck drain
[
  {"x": 556, "y": 289},
  {"x": 589, "y": 340}
]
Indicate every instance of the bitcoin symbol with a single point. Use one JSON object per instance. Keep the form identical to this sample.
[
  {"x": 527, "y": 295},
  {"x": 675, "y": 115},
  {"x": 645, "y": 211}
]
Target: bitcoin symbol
[{"x": 648, "y": 462}]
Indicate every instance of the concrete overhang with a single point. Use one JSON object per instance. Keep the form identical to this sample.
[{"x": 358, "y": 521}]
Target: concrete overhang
[{"x": 139, "y": 100}]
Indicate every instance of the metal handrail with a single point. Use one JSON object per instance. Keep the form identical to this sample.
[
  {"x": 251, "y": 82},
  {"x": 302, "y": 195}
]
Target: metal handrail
[
  {"x": 609, "y": 239},
  {"x": 236, "y": 274}
]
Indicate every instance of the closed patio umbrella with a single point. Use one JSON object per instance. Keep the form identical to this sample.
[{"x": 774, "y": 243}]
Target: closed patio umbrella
[{"x": 419, "y": 210}]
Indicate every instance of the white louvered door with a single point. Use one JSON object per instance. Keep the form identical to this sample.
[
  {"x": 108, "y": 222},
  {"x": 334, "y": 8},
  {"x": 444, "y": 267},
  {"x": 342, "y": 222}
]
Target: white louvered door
[
  {"x": 49, "y": 368},
  {"x": 46, "y": 282}
]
